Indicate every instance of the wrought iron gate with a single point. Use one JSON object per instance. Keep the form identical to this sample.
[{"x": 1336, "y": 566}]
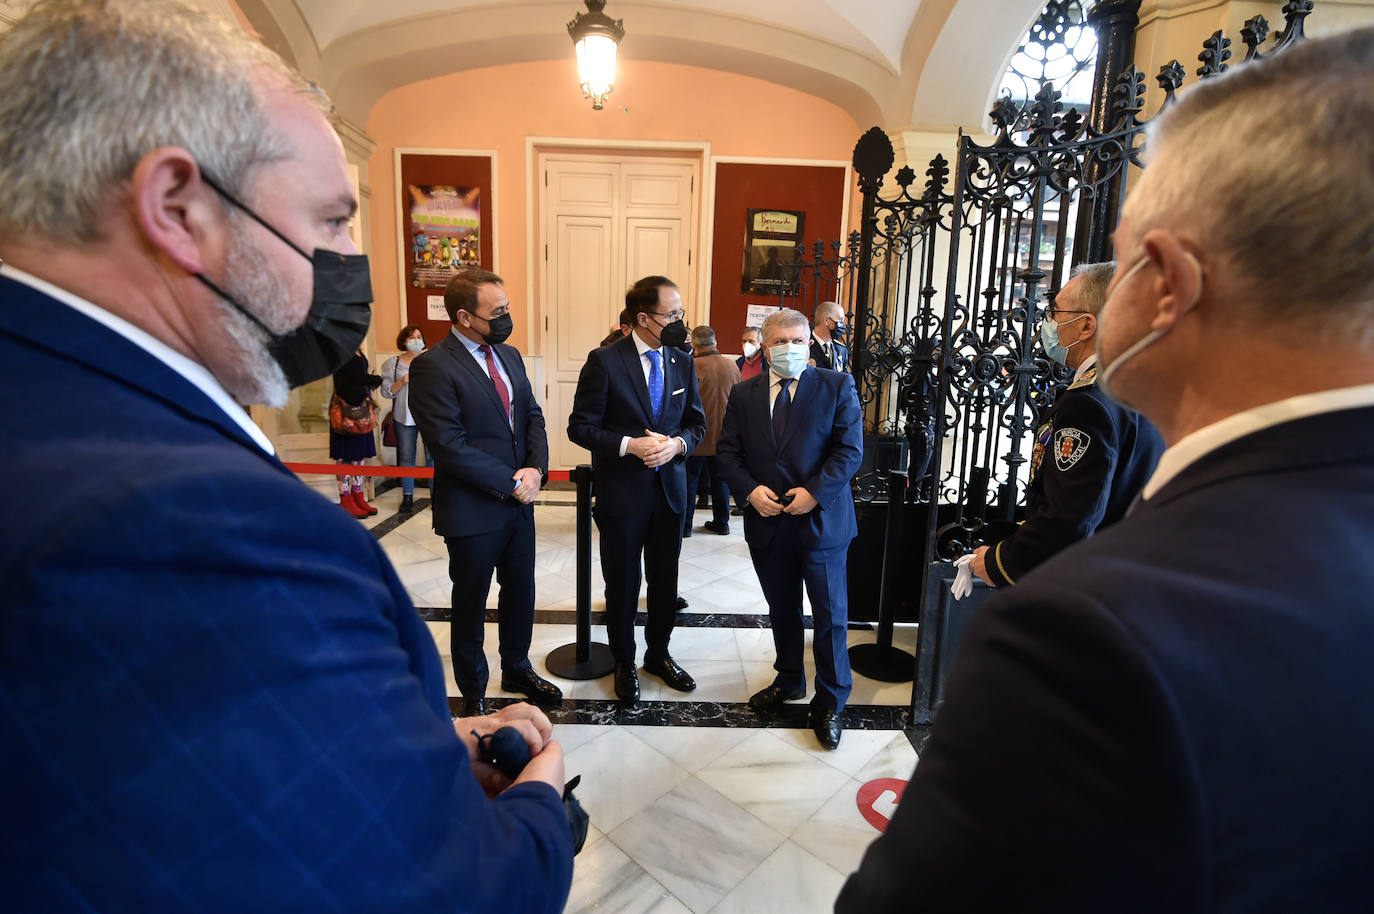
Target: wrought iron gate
[{"x": 945, "y": 285}]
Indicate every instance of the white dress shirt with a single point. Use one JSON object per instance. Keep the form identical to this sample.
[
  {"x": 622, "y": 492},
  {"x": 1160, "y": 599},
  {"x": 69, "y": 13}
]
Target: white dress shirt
[
  {"x": 775, "y": 387},
  {"x": 644, "y": 363},
  {"x": 1193, "y": 447},
  {"x": 825, "y": 347},
  {"x": 194, "y": 372}
]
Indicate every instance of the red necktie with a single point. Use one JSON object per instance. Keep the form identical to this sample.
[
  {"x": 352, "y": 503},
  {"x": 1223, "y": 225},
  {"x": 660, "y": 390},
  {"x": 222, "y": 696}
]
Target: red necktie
[{"x": 495, "y": 373}]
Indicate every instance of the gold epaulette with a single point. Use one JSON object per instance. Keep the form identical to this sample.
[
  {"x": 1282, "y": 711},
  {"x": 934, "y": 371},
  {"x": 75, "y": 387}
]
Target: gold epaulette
[{"x": 1088, "y": 380}]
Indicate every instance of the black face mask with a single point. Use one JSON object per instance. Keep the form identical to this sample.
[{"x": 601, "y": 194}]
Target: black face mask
[
  {"x": 339, "y": 310},
  {"x": 674, "y": 335},
  {"x": 499, "y": 329}
]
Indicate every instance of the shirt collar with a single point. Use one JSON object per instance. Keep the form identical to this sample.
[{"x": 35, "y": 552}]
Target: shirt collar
[
  {"x": 774, "y": 379},
  {"x": 642, "y": 346},
  {"x": 194, "y": 372},
  {"x": 472, "y": 345},
  {"x": 1089, "y": 362},
  {"x": 1193, "y": 447}
]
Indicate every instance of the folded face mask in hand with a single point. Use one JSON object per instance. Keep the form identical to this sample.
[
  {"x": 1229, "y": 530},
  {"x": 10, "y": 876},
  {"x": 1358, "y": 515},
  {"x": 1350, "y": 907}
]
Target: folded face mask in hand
[{"x": 963, "y": 579}]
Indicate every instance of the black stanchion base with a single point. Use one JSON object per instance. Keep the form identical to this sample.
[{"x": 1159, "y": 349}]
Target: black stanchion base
[
  {"x": 562, "y": 662},
  {"x": 885, "y": 664}
]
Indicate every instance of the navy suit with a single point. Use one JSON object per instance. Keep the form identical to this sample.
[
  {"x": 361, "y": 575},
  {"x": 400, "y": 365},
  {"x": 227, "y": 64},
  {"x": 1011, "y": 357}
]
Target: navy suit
[
  {"x": 840, "y": 362},
  {"x": 638, "y": 509},
  {"x": 1092, "y": 456},
  {"x": 476, "y": 453},
  {"x": 215, "y": 694},
  {"x": 820, "y": 450},
  {"x": 1170, "y": 716}
]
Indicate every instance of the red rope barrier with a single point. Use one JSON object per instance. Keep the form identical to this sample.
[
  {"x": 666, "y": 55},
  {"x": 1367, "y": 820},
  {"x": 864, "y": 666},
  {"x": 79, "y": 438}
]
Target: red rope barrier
[{"x": 354, "y": 469}]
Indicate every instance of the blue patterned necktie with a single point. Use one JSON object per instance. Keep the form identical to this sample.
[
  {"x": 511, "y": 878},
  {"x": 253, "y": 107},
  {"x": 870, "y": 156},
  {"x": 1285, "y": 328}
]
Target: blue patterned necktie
[
  {"x": 781, "y": 407},
  {"x": 655, "y": 382}
]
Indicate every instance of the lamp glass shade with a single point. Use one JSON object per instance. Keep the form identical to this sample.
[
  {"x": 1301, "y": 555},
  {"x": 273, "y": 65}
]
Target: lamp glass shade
[{"x": 596, "y": 66}]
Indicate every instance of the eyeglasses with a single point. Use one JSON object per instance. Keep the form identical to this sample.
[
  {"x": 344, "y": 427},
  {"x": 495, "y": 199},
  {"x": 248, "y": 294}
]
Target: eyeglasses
[
  {"x": 671, "y": 315},
  {"x": 1053, "y": 311}
]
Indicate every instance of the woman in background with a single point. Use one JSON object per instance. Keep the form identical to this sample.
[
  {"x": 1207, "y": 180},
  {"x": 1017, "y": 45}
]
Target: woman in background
[
  {"x": 353, "y": 384},
  {"x": 395, "y": 386}
]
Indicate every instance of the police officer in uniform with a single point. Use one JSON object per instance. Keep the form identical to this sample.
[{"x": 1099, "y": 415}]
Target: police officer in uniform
[{"x": 1091, "y": 456}]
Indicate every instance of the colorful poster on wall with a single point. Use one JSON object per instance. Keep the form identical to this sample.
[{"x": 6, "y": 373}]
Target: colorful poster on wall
[
  {"x": 445, "y": 233},
  {"x": 770, "y": 245}
]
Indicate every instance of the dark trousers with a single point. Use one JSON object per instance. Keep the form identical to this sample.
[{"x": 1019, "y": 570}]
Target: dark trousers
[
  {"x": 697, "y": 467},
  {"x": 509, "y": 551},
  {"x": 656, "y": 534},
  {"x": 783, "y": 565}
]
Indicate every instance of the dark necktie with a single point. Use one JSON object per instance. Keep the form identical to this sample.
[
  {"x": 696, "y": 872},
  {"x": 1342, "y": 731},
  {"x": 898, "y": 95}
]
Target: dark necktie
[
  {"x": 655, "y": 382},
  {"x": 782, "y": 406},
  {"x": 500, "y": 385}
]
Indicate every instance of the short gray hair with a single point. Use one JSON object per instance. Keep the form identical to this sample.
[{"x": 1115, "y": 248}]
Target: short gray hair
[
  {"x": 88, "y": 87},
  {"x": 753, "y": 329},
  {"x": 1093, "y": 280},
  {"x": 1268, "y": 167},
  {"x": 825, "y": 307},
  {"x": 703, "y": 337},
  {"x": 786, "y": 317}
]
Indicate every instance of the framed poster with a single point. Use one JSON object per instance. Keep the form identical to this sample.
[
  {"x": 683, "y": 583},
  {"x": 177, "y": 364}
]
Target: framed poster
[
  {"x": 446, "y": 215},
  {"x": 771, "y": 239}
]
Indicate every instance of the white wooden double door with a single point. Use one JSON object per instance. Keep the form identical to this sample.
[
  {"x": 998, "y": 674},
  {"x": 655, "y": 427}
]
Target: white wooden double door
[{"x": 606, "y": 222}]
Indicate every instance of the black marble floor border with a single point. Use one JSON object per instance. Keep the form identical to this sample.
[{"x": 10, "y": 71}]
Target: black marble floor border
[
  {"x": 605, "y": 712},
  {"x": 381, "y": 529},
  {"x": 685, "y": 619}
]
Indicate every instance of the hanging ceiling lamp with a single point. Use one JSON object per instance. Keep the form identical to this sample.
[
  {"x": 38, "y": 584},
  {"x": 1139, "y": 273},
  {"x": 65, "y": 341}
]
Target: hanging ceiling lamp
[{"x": 596, "y": 37}]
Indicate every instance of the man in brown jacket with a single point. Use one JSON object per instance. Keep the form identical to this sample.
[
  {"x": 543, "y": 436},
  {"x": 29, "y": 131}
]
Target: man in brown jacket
[{"x": 716, "y": 374}]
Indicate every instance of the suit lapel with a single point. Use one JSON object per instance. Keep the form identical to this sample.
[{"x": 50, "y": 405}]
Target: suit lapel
[
  {"x": 51, "y": 325},
  {"x": 630, "y": 354},
  {"x": 761, "y": 400},
  {"x": 466, "y": 363}
]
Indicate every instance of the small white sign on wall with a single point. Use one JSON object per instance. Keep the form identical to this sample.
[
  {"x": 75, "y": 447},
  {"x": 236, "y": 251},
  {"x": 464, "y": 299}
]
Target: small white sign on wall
[
  {"x": 435, "y": 308},
  {"x": 756, "y": 314}
]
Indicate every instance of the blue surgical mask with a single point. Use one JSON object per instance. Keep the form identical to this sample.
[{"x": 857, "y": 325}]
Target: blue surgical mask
[
  {"x": 1049, "y": 338},
  {"x": 788, "y": 359},
  {"x": 415, "y": 346}
]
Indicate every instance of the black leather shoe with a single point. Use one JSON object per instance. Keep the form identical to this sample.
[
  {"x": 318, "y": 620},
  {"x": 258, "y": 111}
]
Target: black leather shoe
[
  {"x": 537, "y": 688},
  {"x": 772, "y": 697},
  {"x": 686, "y": 532},
  {"x": 681, "y": 603},
  {"x": 703, "y": 501},
  {"x": 722, "y": 528},
  {"x": 674, "y": 676},
  {"x": 626, "y": 683},
  {"x": 825, "y": 723},
  {"x": 407, "y": 504},
  {"x": 737, "y": 511},
  {"x": 474, "y": 707}
]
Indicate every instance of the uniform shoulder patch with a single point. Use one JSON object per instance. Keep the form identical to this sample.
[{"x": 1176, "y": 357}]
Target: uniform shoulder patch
[
  {"x": 1088, "y": 380},
  {"x": 1070, "y": 444}
]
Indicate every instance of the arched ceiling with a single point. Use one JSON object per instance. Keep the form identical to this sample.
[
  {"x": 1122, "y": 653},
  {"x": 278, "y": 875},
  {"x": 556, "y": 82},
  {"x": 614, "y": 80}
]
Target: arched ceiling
[{"x": 894, "y": 63}]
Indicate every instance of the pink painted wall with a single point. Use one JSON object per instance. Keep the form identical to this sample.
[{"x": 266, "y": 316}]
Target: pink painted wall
[{"x": 498, "y": 107}]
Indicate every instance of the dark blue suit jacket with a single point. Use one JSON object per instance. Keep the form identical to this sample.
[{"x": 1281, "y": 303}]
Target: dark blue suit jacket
[
  {"x": 476, "y": 452},
  {"x": 821, "y": 450},
  {"x": 215, "y": 694},
  {"x": 612, "y": 401},
  {"x": 1170, "y": 716}
]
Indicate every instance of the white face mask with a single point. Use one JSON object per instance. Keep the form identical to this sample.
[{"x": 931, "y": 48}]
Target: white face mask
[
  {"x": 1104, "y": 377},
  {"x": 751, "y": 350},
  {"x": 415, "y": 346}
]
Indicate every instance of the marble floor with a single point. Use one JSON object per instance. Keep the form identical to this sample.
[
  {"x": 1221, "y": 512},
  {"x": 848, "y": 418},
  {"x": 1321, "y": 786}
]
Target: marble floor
[{"x": 697, "y": 804}]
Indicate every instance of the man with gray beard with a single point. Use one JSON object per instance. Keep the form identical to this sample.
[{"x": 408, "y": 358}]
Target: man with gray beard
[{"x": 215, "y": 694}]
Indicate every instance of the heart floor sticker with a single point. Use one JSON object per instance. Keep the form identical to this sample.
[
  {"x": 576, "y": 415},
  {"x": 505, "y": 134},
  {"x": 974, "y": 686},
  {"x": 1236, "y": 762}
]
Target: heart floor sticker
[{"x": 878, "y": 801}]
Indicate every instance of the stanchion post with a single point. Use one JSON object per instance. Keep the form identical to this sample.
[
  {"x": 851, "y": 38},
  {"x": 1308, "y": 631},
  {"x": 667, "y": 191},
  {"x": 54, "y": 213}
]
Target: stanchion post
[
  {"x": 583, "y": 659},
  {"x": 881, "y": 660}
]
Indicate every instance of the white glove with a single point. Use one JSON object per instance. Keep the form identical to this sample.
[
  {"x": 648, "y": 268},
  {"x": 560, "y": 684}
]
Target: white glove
[{"x": 963, "y": 580}]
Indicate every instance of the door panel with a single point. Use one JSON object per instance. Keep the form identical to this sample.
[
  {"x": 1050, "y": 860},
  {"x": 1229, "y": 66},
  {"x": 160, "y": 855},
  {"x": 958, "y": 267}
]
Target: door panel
[{"x": 605, "y": 222}]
